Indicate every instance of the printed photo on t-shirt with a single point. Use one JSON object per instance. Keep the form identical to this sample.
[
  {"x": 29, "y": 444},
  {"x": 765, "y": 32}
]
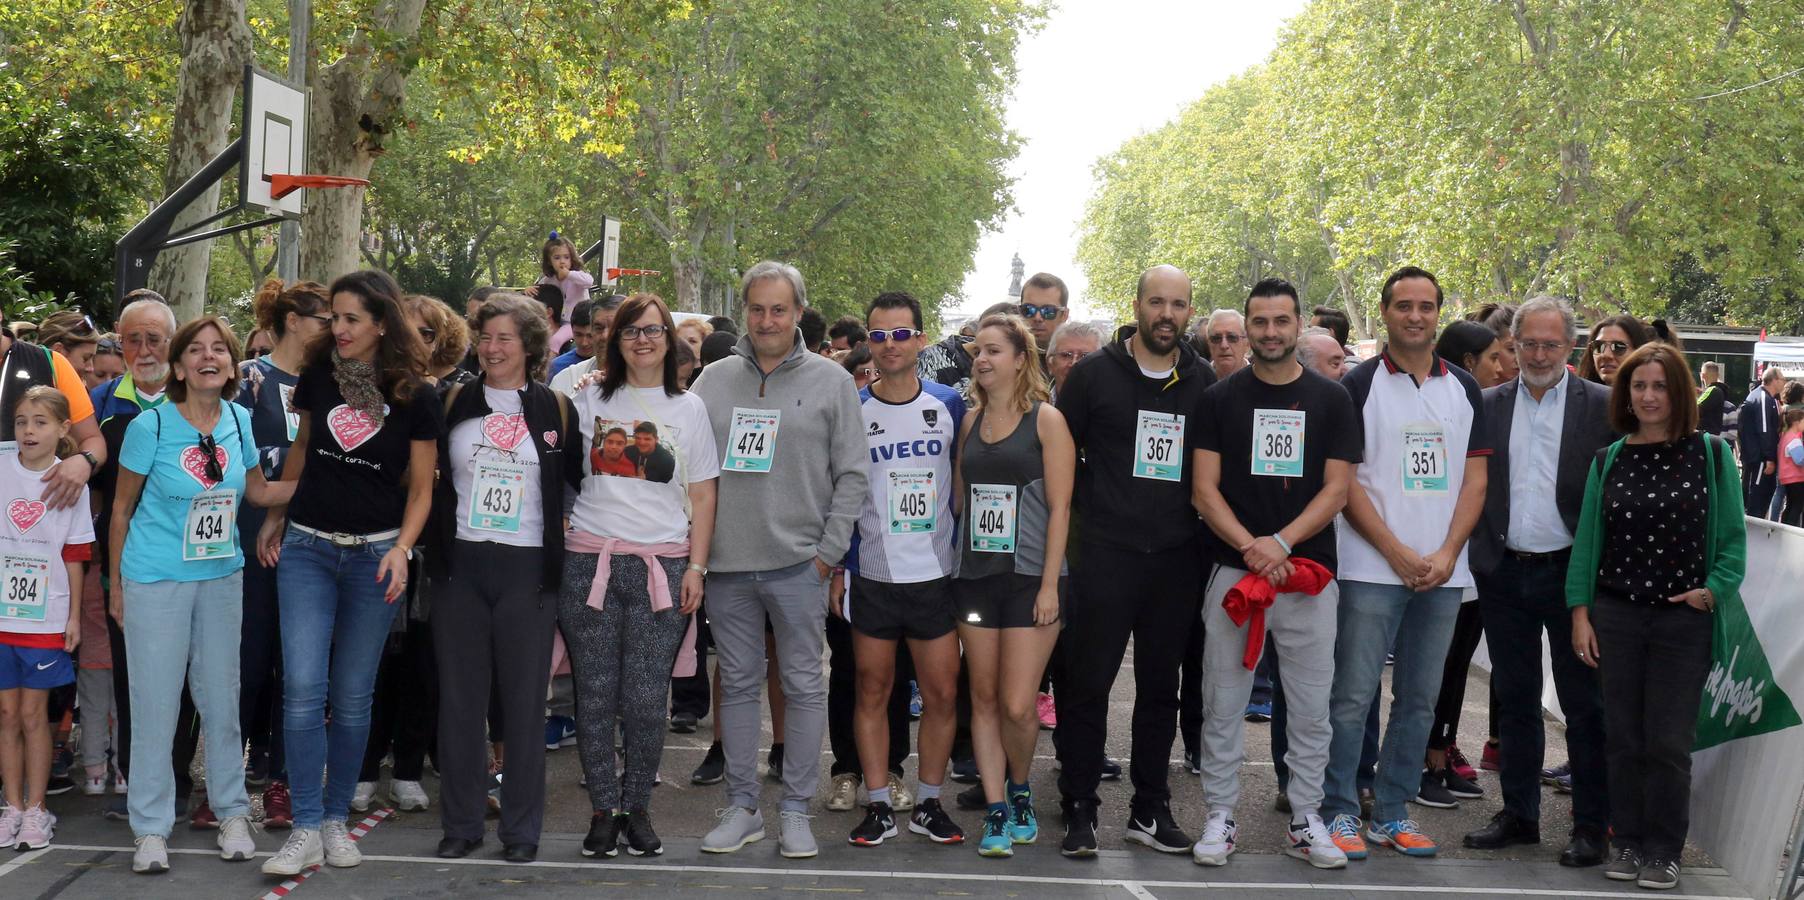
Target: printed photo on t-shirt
[{"x": 640, "y": 449}]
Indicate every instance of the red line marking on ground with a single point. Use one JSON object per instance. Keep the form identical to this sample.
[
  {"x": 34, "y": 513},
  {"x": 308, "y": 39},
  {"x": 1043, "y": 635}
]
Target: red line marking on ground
[{"x": 356, "y": 833}]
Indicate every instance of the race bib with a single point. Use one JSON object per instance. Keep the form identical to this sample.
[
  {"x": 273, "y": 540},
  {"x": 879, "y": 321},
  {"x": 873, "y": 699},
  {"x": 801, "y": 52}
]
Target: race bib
[
  {"x": 212, "y": 518},
  {"x": 1278, "y": 442},
  {"x": 292, "y": 418},
  {"x": 26, "y": 587},
  {"x": 752, "y": 439},
  {"x": 1424, "y": 459},
  {"x": 1158, "y": 446},
  {"x": 993, "y": 518},
  {"x": 496, "y": 494},
  {"x": 913, "y": 501}
]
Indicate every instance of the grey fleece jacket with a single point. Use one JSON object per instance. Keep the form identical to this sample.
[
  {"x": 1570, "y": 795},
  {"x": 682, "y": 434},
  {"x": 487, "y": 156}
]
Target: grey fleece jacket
[{"x": 806, "y": 505}]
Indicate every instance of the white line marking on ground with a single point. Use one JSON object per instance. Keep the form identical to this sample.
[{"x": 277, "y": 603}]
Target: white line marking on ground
[
  {"x": 1140, "y": 893},
  {"x": 1009, "y": 877},
  {"x": 290, "y": 885},
  {"x": 22, "y": 859}
]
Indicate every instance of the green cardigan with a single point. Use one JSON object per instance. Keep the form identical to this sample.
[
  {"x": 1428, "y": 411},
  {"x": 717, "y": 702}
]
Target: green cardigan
[{"x": 1725, "y": 539}]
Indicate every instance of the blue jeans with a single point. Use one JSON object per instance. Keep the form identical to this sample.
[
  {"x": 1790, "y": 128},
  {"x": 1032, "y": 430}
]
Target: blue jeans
[
  {"x": 1419, "y": 626},
  {"x": 334, "y": 625},
  {"x": 177, "y": 629}
]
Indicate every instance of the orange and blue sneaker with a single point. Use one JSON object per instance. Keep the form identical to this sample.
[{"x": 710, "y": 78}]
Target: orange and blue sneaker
[
  {"x": 1344, "y": 831},
  {"x": 1404, "y": 835}
]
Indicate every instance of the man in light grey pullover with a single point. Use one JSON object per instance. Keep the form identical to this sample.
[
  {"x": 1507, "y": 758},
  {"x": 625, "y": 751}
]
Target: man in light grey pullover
[{"x": 792, "y": 483}]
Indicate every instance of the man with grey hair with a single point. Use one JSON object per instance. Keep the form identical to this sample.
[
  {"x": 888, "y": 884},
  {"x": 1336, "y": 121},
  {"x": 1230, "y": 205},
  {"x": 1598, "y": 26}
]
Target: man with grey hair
[
  {"x": 1225, "y": 342},
  {"x": 1548, "y": 426},
  {"x": 1072, "y": 342},
  {"x": 793, "y": 483},
  {"x": 1319, "y": 352}
]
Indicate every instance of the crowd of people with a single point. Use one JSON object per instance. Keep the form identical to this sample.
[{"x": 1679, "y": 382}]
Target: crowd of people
[{"x": 385, "y": 528}]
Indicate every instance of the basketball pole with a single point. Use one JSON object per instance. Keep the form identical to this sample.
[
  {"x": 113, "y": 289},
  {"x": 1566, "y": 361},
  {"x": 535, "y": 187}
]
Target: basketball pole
[{"x": 288, "y": 239}]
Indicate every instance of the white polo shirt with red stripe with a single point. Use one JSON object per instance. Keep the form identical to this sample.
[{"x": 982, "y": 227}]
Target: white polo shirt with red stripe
[{"x": 1417, "y": 440}]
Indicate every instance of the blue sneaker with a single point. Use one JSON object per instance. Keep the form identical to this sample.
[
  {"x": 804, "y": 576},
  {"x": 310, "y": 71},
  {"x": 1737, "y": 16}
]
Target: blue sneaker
[
  {"x": 1259, "y": 712},
  {"x": 914, "y": 700},
  {"x": 1023, "y": 825},
  {"x": 560, "y": 731},
  {"x": 996, "y": 841}
]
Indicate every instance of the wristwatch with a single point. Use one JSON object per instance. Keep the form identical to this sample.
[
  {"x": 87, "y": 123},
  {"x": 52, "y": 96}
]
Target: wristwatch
[
  {"x": 699, "y": 569},
  {"x": 405, "y": 551},
  {"x": 93, "y": 461}
]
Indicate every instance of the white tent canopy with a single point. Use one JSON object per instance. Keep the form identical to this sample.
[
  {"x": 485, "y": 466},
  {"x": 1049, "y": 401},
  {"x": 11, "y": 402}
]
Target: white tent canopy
[{"x": 1789, "y": 355}]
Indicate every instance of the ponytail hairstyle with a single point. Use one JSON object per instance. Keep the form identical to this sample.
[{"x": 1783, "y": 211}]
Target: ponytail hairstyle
[
  {"x": 274, "y": 302},
  {"x": 53, "y": 402}
]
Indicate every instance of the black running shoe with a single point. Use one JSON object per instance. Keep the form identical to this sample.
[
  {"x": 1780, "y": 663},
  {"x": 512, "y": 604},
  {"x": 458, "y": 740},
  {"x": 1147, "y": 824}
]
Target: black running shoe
[
  {"x": 879, "y": 825},
  {"x": 964, "y": 771},
  {"x": 930, "y": 820},
  {"x": 1111, "y": 770},
  {"x": 1154, "y": 827},
  {"x": 774, "y": 762},
  {"x": 1080, "y": 829},
  {"x": 713, "y": 769},
  {"x": 972, "y": 798},
  {"x": 641, "y": 840},
  {"x": 604, "y": 835},
  {"x": 1460, "y": 787},
  {"x": 1433, "y": 793}
]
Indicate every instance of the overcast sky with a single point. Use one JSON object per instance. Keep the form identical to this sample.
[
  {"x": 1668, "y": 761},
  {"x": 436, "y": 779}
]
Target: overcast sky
[{"x": 1100, "y": 72}]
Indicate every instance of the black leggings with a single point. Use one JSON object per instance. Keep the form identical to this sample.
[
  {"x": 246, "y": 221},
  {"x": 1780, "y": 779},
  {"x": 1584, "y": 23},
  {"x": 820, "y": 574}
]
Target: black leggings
[
  {"x": 1467, "y": 630},
  {"x": 1794, "y": 505}
]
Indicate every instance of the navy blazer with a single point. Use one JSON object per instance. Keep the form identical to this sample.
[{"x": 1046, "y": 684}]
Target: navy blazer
[{"x": 1586, "y": 430}]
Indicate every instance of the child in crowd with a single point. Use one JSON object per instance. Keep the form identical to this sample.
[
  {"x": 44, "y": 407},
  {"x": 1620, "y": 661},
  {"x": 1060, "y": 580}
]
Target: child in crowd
[
  {"x": 1791, "y": 465},
  {"x": 41, "y": 552},
  {"x": 563, "y": 268}
]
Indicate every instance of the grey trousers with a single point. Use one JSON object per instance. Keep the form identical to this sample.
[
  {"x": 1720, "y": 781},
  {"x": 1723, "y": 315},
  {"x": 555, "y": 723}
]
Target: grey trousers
[
  {"x": 1302, "y": 628},
  {"x": 795, "y": 600}
]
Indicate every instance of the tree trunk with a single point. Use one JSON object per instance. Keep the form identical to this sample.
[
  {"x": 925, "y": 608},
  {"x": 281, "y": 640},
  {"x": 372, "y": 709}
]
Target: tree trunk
[
  {"x": 215, "y": 46},
  {"x": 355, "y": 106},
  {"x": 687, "y": 266}
]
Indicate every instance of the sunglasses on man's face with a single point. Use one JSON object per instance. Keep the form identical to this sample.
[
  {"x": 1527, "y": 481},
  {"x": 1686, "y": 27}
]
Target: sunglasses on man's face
[
  {"x": 1046, "y": 311},
  {"x": 894, "y": 334}
]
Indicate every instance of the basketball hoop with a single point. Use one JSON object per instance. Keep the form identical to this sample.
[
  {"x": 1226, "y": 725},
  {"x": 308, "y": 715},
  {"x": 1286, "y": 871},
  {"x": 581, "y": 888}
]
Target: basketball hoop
[{"x": 282, "y": 185}]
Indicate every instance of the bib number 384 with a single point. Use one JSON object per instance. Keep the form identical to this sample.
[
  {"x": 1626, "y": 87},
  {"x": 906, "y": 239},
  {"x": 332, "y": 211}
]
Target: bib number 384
[
  {"x": 211, "y": 530},
  {"x": 993, "y": 518},
  {"x": 496, "y": 494},
  {"x": 25, "y": 593},
  {"x": 1278, "y": 442},
  {"x": 752, "y": 440}
]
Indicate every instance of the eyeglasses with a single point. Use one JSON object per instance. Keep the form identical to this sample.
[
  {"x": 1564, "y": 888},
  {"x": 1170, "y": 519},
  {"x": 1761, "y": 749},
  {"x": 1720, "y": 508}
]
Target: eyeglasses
[
  {"x": 1541, "y": 346},
  {"x": 1071, "y": 356},
  {"x": 1226, "y": 338},
  {"x": 318, "y": 317},
  {"x": 1047, "y": 312},
  {"x": 650, "y": 332},
  {"x": 894, "y": 334},
  {"x": 259, "y": 352},
  {"x": 1617, "y": 348},
  {"x": 870, "y": 373},
  {"x": 427, "y": 334},
  {"x": 149, "y": 341},
  {"x": 85, "y": 326},
  {"x": 207, "y": 451},
  {"x": 108, "y": 345}
]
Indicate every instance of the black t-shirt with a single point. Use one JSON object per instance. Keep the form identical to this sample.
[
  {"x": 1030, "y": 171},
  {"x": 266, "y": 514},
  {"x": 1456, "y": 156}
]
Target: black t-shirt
[
  {"x": 1266, "y": 503},
  {"x": 355, "y": 479}
]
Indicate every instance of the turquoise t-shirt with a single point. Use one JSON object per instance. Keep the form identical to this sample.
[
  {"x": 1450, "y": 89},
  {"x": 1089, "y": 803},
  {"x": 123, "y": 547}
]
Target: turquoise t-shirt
[{"x": 185, "y": 527}]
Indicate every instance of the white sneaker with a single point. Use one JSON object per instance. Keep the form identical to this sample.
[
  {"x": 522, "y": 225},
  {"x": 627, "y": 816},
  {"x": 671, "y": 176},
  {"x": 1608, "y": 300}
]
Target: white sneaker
[
  {"x": 363, "y": 796},
  {"x": 843, "y": 795},
  {"x": 1217, "y": 842},
  {"x": 1310, "y": 841},
  {"x": 900, "y": 799},
  {"x": 152, "y": 855},
  {"x": 738, "y": 827},
  {"x": 409, "y": 796},
  {"x": 120, "y": 788},
  {"x": 796, "y": 839},
  {"x": 298, "y": 854},
  {"x": 11, "y": 820},
  {"x": 95, "y": 786},
  {"x": 235, "y": 844},
  {"x": 341, "y": 851}
]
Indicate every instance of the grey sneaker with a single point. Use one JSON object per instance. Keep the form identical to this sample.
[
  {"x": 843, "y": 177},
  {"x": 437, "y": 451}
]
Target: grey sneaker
[
  {"x": 341, "y": 851},
  {"x": 1659, "y": 874},
  {"x": 298, "y": 854},
  {"x": 152, "y": 855},
  {"x": 796, "y": 840},
  {"x": 738, "y": 827},
  {"x": 235, "y": 844},
  {"x": 1624, "y": 866}
]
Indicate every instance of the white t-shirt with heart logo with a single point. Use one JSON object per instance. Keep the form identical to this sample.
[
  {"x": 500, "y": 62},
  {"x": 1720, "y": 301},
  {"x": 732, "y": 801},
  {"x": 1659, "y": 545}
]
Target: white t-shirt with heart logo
[
  {"x": 33, "y": 535},
  {"x": 499, "y": 448}
]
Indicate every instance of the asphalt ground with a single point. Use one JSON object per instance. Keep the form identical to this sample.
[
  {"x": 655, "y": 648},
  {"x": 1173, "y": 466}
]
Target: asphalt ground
[{"x": 91, "y": 855}]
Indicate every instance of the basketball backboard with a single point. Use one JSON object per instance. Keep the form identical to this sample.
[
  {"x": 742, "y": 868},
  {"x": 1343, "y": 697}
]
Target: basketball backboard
[
  {"x": 274, "y": 131},
  {"x": 610, "y": 250}
]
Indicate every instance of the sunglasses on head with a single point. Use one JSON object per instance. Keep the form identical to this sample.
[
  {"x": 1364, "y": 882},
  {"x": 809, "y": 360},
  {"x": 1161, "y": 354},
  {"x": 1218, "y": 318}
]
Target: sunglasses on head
[
  {"x": 894, "y": 334},
  {"x": 427, "y": 334},
  {"x": 1047, "y": 312},
  {"x": 108, "y": 345}
]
